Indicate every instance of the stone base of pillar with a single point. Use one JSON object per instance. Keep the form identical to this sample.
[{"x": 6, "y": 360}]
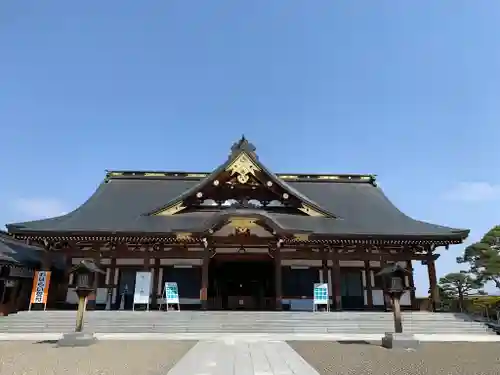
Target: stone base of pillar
[
  {"x": 279, "y": 305},
  {"x": 5, "y": 309},
  {"x": 77, "y": 339},
  {"x": 338, "y": 303},
  {"x": 399, "y": 340}
]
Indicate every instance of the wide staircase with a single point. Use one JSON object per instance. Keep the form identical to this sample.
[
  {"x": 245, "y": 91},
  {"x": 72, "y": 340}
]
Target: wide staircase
[{"x": 240, "y": 322}]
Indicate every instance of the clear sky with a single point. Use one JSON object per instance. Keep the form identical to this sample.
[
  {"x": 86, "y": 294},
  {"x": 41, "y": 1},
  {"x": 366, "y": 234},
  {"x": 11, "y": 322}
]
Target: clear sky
[{"x": 407, "y": 90}]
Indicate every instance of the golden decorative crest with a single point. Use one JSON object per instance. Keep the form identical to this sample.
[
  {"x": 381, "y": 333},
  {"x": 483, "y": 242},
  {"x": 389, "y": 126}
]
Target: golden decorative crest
[
  {"x": 242, "y": 225},
  {"x": 183, "y": 236},
  {"x": 243, "y": 166},
  {"x": 242, "y": 222},
  {"x": 301, "y": 237},
  {"x": 172, "y": 209},
  {"x": 309, "y": 211}
]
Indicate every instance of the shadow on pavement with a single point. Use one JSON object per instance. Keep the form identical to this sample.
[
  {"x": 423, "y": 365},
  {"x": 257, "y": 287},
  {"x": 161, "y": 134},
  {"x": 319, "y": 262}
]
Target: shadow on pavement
[
  {"x": 357, "y": 342},
  {"x": 46, "y": 342}
]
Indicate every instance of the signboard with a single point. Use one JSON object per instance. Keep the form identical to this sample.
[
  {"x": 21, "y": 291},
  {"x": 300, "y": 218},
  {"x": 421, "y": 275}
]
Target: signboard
[
  {"x": 142, "y": 288},
  {"x": 320, "y": 294},
  {"x": 171, "y": 293},
  {"x": 40, "y": 290}
]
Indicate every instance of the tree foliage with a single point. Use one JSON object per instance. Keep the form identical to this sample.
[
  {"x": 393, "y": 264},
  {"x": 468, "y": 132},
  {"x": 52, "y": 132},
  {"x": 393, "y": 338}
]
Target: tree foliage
[
  {"x": 484, "y": 304},
  {"x": 486, "y": 301},
  {"x": 483, "y": 257},
  {"x": 459, "y": 284}
]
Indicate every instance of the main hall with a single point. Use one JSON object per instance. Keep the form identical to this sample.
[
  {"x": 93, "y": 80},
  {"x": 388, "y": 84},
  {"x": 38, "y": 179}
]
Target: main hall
[{"x": 238, "y": 238}]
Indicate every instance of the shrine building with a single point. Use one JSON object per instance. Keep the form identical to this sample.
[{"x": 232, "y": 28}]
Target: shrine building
[{"x": 240, "y": 237}]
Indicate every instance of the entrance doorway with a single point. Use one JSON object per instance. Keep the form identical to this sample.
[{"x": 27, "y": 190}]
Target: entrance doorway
[
  {"x": 241, "y": 285},
  {"x": 352, "y": 289},
  {"x": 126, "y": 287}
]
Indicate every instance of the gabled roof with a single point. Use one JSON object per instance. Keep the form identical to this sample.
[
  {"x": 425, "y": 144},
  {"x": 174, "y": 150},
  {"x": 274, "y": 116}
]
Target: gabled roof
[
  {"x": 119, "y": 203},
  {"x": 243, "y": 163}
]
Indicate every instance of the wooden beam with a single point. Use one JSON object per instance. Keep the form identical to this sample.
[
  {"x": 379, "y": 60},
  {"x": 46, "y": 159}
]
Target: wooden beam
[
  {"x": 198, "y": 254},
  {"x": 300, "y": 254},
  {"x": 174, "y": 253}
]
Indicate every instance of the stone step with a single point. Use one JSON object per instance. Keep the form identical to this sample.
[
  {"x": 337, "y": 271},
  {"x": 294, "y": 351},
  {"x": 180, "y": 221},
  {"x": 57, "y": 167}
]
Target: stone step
[
  {"x": 185, "y": 321},
  {"x": 170, "y": 331},
  {"x": 240, "y": 322},
  {"x": 350, "y": 325}
]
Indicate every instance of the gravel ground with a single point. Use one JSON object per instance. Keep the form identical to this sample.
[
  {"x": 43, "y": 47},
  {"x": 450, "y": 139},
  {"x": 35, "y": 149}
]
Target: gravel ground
[
  {"x": 103, "y": 358},
  {"x": 331, "y": 358}
]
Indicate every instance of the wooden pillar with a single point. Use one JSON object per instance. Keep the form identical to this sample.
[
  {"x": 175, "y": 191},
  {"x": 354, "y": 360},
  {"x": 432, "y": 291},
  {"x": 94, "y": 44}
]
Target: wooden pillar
[
  {"x": 204, "y": 278},
  {"x": 15, "y": 291},
  {"x": 326, "y": 278},
  {"x": 369, "y": 285},
  {"x": 411, "y": 280},
  {"x": 46, "y": 260},
  {"x": 63, "y": 290},
  {"x": 337, "y": 283},
  {"x": 278, "y": 278},
  {"x": 92, "y": 298},
  {"x": 147, "y": 268},
  {"x": 383, "y": 263},
  {"x": 113, "y": 273},
  {"x": 433, "y": 285},
  {"x": 156, "y": 278},
  {"x": 147, "y": 264},
  {"x": 46, "y": 265}
]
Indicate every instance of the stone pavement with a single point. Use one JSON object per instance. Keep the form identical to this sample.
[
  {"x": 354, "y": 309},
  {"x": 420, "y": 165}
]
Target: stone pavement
[
  {"x": 333, "y": 358},
  {"x": 103, "y": 358},
  {"x": 242, "y": 358}
]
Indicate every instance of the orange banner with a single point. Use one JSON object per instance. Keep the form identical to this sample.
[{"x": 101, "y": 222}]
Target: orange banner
[{"x": 40, "y": 290}]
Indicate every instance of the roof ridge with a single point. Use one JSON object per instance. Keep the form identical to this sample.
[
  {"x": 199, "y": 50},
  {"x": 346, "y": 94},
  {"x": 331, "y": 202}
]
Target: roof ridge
[{"x": 339, "y": 177}]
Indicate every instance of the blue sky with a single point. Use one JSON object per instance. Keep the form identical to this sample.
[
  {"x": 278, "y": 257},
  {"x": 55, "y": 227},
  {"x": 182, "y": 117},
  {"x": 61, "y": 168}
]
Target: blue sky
[{"x": 409, "y": 91}]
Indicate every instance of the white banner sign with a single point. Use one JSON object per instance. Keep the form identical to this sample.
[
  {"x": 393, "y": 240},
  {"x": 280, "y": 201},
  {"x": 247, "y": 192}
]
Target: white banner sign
[{"x": 142, "y": 287}]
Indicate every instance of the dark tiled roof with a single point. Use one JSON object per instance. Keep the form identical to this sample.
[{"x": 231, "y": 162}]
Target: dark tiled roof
[
  {"x": 19, "y": 253},
  {"x": 119, "y": 205}
]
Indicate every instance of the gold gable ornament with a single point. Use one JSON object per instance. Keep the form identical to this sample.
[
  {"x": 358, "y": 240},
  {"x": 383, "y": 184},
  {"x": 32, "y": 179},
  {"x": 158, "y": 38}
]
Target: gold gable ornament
[
  {"x": 301, "y": 237},
  {"x": 310, "y": 211},
  {"x": 172, "y": 209},
  {"x": 243, "y": 166},
  {"x": 183, "y": 236},
  {"x": 242, "y": 225}
]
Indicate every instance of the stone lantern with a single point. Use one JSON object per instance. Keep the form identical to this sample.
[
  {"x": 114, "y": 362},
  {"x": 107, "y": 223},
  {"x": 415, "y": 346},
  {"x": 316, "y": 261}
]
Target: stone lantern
[
  {"x": 85, "y": 273},
  {"x": 393, "y": 281}
]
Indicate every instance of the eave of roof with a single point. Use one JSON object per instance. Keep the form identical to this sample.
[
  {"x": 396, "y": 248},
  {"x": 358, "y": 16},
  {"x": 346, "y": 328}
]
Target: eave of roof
[
  {"x": 118, "y": 205},
  {"x": 19, "y": 253}
]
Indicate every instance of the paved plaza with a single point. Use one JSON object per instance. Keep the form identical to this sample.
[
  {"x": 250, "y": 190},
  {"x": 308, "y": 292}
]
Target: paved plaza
[
  {"x": 238, "y": 357},
  {"x": 103, "y": 358},
  {"x": 352, "y": 358}
]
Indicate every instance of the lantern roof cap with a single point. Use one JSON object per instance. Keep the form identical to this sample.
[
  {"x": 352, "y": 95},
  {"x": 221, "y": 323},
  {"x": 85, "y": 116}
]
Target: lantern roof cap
[
  {"x": 391, "y": 269},
  {"x": 87, "y": 265}
]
